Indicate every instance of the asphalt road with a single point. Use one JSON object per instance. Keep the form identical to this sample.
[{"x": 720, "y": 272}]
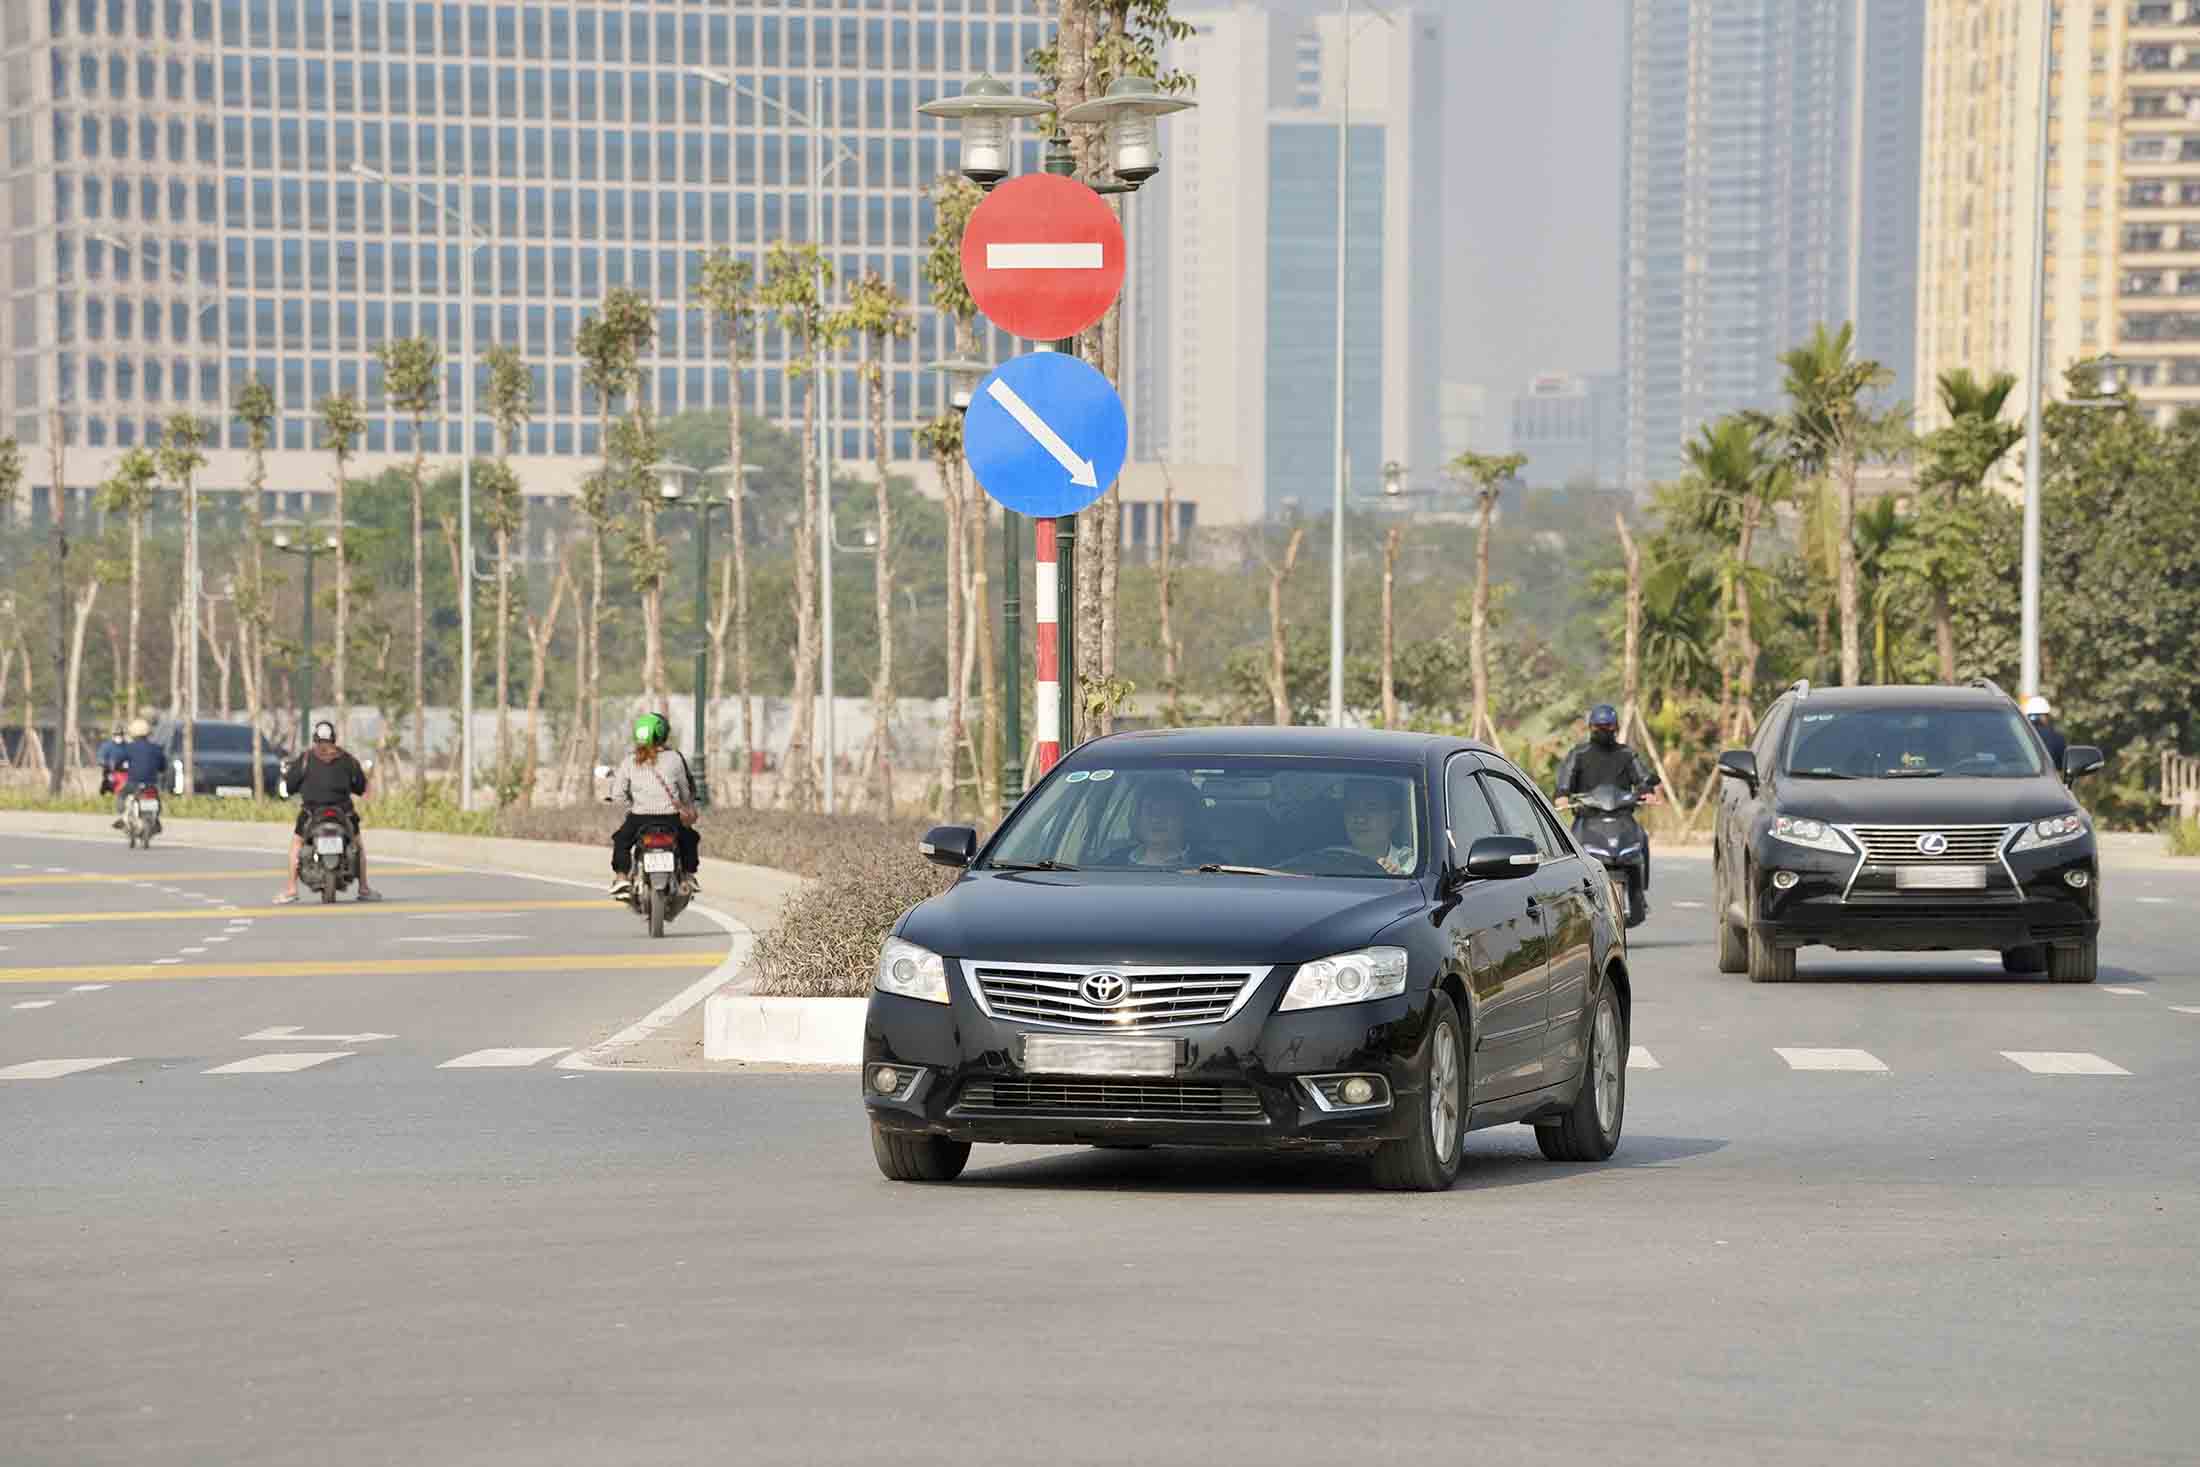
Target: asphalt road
[{"x": 1930, "y": 1253}]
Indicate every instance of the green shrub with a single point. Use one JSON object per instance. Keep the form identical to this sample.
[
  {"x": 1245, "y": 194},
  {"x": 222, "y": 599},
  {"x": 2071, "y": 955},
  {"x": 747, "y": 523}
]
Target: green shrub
[{"x": 2183, "y": 837}]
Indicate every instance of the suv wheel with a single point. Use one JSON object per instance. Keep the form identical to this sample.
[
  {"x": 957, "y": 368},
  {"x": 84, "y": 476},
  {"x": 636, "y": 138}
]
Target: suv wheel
[
  {"x": 1733, "y": 944},
  {"x": 903, "y": 1157},
  {"x": 1426, "y": 1158},
  {"x": 2079, "y": 963},
  {"x": 1768, "y": 963}
]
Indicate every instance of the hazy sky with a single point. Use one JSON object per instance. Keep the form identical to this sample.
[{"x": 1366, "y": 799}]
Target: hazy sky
[{"x": 1532, "y": 150}]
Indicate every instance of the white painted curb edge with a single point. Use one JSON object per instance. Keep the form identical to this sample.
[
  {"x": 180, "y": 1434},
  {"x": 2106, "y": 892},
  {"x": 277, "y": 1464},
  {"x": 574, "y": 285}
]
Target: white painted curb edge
[{"x": 783, "y": 1031}]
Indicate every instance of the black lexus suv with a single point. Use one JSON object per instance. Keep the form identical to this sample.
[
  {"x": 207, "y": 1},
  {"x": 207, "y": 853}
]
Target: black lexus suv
[{"x": 1912, "y": 819}]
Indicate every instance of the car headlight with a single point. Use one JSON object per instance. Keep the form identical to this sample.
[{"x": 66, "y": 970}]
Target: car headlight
[
  {"x": 2055, "y": 830},
  {"x": 1374, "y": 972},
  {"x": 1814, "y": 834},
  {"x": 911, "y": 971}
]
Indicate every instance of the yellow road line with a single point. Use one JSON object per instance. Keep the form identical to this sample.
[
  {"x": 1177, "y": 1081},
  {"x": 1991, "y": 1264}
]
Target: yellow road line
[
  {"x": 309, "y": 906},
  {"x": 273, "y": 871},
  {"x": 370, "y": 968}
]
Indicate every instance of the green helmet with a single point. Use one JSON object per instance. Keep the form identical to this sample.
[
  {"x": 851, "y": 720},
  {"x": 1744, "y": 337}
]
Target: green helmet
[{"x": 651, "y": 728}]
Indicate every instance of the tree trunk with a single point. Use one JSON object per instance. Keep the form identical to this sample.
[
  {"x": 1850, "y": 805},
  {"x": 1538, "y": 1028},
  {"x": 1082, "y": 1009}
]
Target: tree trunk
[
  {"x": 797, "y": 781},
  {"x": 1111, "y": 519},
  {"x": 190, "y": 591},
  {"x": 882, "y": 688},
  {"x": 253, "y": 630},
  {"x": 1630, "y": 678},
  {"x": 114, "y": 663},
  {"x": 977, "y": 558},
  {"x": 340, "y": 688},
  {"x": 540, "y": 633},
  {"x": 584, "y": 702},
  {"x": 1279, "y": 690},
  {"x": 1478, "y": 646},
  {"x": 1944, "y": 633},
  {"x": 653, "y": 614},
  {"x": 1852, "y": 657},
  {"x": 1744, "y": 613},
  {"x": 210, "y": 629},
  {"x": 1165, "y": 584},
  {"x": 420, "y": 616},
  {"x": 74, "y": 681},
  {"x": 591, "y": 641},
  {"x": 1390, "y": 628},
  {"x": 504, "y": 652},
  {"x": 175, "y": 662},
  {"x": 741, "y": 607},
  {"x": 137, "y": 590},
  {"x": 948, "y": 800},
  {"x": 57, "y": 448}
]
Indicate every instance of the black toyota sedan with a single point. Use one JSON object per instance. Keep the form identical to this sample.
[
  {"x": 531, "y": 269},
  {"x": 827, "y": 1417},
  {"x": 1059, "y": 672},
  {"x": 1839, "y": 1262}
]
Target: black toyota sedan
[
  {"x": 1915, "y": 819},
  {"x": 1354, "y": 942}
]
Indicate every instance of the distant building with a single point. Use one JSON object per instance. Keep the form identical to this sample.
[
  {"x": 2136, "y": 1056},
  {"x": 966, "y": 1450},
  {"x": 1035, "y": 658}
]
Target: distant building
[
  {"x": 1464, "y": 421},
  {"x": 1771, "y": 183},
  {"x": 1234, "y": 315},
  {"x": 1568, "y": 427}
]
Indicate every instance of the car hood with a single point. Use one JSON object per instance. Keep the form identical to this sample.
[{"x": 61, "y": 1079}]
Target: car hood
[
  {"x": 1132, "y": 917},
  {"x": 1925, "y": 801}
]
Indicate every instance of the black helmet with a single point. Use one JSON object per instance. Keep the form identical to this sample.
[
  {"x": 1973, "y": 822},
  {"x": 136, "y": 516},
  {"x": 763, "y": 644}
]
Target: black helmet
[{"x": 1604, "y": 715}]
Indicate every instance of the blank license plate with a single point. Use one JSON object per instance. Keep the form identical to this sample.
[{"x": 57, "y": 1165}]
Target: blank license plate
[
  {"x": 1055, "y": 1054},
  {"x": 656, "y": 860},
  {"x": 329, "y": 845},
  {"x": 1940, "y": 878},
  {"x": 148, "y": 807},
  {"x": 234, "y": 791}
]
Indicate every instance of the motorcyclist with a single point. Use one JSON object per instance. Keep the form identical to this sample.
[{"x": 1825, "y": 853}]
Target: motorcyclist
[
  {"x": 1602, "y": 759},
  {"x": 653, "y": 788},
  {"x": 2041, "y": 714},
  {"x": 140, "y": 762},
  {"x": 325, "y": 777}
]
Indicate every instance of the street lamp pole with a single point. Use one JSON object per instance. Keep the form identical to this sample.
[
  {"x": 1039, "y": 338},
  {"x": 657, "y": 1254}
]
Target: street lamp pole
[
  {"x": 2028, "y": 677},
  {"x": 1344, "y": 246},
  {"x": 310, "y": 552}
]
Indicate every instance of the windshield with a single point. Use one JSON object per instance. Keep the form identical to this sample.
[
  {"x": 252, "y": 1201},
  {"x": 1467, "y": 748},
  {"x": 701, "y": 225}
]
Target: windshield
[
  {"x": 223, "y": 738},
  {"x": 1295, "y": 816},
  {"x": 1913, "y": 743}
]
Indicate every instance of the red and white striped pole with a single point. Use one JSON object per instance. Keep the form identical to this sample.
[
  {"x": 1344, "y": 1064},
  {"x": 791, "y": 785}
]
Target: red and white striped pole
[{"x": 1047, "y": 648}]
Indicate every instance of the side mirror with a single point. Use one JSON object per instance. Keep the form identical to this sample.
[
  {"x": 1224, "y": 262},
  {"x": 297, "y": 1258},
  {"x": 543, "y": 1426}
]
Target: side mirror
[
  {"x": 949, "y": 845},
  {"x": 1502, "y": 857},
  {"x": 1740, "y": 764},
  {"x": 2080, "y": 760}
]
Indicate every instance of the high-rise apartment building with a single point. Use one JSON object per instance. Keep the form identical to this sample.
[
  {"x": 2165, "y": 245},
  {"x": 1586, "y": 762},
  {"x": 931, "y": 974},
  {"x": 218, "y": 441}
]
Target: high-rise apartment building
[
  {"x": 2122, "y": 256},
  {"x": 1769, "y": 184},
  {"x": 184, "y": 205},
  {"x": 1236, "y": 250}
]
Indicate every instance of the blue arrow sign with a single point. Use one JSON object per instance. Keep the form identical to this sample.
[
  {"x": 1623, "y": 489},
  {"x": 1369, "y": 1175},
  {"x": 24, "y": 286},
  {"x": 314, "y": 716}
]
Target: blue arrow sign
[{"x": 1045, "y": 434}]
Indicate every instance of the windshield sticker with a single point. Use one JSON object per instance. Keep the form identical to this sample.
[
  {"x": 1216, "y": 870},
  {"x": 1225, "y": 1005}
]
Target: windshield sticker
[
  {"x": 1075, "y": 775},
  {"x": 1819, "y": 717},
  {"x": 1100, "y": 776}
]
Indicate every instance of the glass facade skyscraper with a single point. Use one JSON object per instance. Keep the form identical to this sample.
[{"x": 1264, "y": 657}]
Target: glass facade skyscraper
[{"x": 184, "y": 205}]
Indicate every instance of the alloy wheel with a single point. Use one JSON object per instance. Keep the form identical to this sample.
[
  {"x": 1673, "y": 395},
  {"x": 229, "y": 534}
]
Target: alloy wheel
[
  {"x": 1443, "y": 1093},
  {"x": 1605, "y": 1059}
]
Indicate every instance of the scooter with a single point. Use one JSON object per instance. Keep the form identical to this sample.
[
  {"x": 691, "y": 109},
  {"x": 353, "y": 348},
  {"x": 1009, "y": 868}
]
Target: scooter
[
  {"x": 329, "y": 860},
  {"x": 1606, "y": 828},
  {"x": 658, "y": 893},
  {"x": 141, "y": 816}
]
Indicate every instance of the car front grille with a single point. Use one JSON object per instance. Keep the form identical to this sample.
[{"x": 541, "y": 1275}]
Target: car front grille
[
  {"x": 1110, "y": 1100},
  {"x": 1897, "y": 845},
  {"x": 1156, "y": 998}
]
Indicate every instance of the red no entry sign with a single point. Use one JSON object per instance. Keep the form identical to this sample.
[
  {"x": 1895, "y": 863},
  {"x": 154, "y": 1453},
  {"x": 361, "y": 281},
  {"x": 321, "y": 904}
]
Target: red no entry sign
[{"x": 1043, "y": 257}]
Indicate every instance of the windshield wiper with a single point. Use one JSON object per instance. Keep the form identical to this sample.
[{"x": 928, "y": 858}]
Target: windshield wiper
[
  {"x": 1914, "y": 773},
  {"x": 1046, "y": 865},
  {"x": 1215, "y": 868}
]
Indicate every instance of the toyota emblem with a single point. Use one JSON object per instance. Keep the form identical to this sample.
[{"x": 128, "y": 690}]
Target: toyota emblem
[
  {"x": 1105, "y": 990},
  {"x": 1932, "y": 843}
]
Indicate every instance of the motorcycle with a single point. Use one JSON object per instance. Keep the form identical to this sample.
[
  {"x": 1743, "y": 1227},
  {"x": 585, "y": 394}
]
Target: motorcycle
[
  {"x": 329, "y": 859},
  {"x": 1606, "y": 829},
  {"x": 141, "y": 816},
  {"x": 658, "y": 892}
]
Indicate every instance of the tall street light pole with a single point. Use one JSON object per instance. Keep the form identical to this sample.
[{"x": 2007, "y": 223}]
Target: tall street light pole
[
  {"x": 672, "y": 482},
  {"x": 2028, "y": 677},
  {"x": 1344, "y": 250},
  {"x": 306, "y": 549},
  {"x": 471, "y": 246}
]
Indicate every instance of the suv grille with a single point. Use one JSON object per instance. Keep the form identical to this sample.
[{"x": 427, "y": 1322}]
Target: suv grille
[
  {"x": 1157, "y": 999},
  {"x": 1897, "y": 845},
  {"x": 1111, "y": 1099}
]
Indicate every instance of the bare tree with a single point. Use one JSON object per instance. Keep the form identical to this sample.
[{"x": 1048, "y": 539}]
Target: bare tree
[
  {"x": 541, "y": 631},
  {"x": 342, "y": 422},
  {"x": 255, "y": 407},
  {"x": 1488, "y": 473},
  {"x": 57, "y": 454},
  {"x": 611, "y": 343},
  {"x": 729, "y": 292},
  {"x": 413, "y": 373},
  {"x": 130, "y": 492},
  {"x": 877, "y": 314},
  {"x": 1279, "y": 689},
  {"x": 511, "y": 404},
  {"x": 180, "y": 460}
]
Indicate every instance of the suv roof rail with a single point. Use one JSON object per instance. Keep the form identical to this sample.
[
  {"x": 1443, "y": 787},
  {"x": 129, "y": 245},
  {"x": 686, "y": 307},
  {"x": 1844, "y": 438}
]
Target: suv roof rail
[
  {"x": 1988, "y": 684},
  {"x": 1800, "y": 687}
]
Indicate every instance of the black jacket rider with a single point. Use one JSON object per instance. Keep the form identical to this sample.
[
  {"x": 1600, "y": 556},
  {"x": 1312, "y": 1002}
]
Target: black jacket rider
[{"x": 1603, "y": 759}]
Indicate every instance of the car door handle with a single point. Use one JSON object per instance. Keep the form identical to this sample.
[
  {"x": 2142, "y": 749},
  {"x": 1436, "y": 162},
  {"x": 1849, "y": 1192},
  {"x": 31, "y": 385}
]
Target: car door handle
[{"x": 1533, "y": 909}]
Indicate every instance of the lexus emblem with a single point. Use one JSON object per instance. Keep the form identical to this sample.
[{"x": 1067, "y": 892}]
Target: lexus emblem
[
  {"x": 1932, "y": 843},
  {"x": 1104, "y": 990}
]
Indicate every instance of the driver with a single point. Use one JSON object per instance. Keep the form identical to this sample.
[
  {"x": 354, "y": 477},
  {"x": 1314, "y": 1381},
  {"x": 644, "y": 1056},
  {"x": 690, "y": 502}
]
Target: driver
[
  {"x": 1161, "y": 822},
  {"x": 326, "y": 776},
  {"x": 1371, "y": 810},
  {"x": 1605, "y": 760}
]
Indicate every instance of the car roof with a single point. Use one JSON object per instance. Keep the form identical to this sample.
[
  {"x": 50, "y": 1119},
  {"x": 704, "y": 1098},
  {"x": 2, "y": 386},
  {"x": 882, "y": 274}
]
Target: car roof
[
  {"x": 1930, "y": 695},
  {"x": 1267, "y": 739}
]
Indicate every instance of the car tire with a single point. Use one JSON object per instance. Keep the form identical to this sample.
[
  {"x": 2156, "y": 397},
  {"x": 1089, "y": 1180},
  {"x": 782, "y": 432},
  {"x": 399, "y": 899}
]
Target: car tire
[
  {"x": 1590, "y": 1129},
  {"x": 2078, "y": 963},
  {"x": 1733, "y": 945},
  {"x": 904, "y": 1157},
  {"x": 2028, "y": 959},
  {"x": 1768, "y": 962},
  {"x": 1426, "y": 1158}
]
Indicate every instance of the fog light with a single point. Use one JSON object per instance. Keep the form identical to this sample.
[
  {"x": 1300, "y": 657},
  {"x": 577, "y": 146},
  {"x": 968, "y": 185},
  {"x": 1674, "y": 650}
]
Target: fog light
[
  {"x": 886, "y": 1079},
  {"x": 2077, "y": 879},
  {"x": 1785, "y": 880},
  {"x": 1357, "y": 1091}
]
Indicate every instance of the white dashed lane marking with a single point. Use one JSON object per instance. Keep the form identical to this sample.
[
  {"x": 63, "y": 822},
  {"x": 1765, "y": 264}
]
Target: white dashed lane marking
[
  {"x": 2123, "y": 989},
  {"x": 54, "y": 1069},
  {"x": 88, "y": 987},
  {"x": 499, "y": 1059},
  {"x": 2157, "y": 901},
  {"x": 2183, "y": 1008},
  {"x": 2054, "y": 1062},
  {"x": 1639, "y": 1058},
  {"x": 1831, "y": 1059},
  {"x": 34, "y": 1003},
  {"x": 279, "y": 1064}
]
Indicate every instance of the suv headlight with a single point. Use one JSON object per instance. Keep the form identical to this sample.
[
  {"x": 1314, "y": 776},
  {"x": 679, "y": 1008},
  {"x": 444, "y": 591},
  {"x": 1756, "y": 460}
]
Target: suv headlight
[
  {"x": 911, "y": 971},
  {"x": 1370, "y": 973},
  {"x": 2055, "y": 830},
  {"x": 1814, "y": 834}
]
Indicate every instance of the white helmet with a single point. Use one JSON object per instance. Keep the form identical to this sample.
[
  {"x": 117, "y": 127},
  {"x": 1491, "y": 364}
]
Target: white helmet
[
  {"x": 2037, "y": 707},
  {"x": 140, "y": 729}
]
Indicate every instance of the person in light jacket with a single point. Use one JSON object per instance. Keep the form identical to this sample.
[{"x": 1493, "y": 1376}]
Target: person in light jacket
[{"x": 655, "y": 785}]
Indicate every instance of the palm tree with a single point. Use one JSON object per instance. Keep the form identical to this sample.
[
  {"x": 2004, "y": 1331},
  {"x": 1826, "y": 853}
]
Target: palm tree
[
  {"x": 729, "y": 293},
  {"x": 414, "y": 384},
  {"x": 1488, "y": 473},
  {"x": 343, "y": 424},
  {"x": 877, "y": 313},
  {"x": 130, "y": 492},
  {"x": 511, "y": 403},
  {"x": 1957, "y": 459},
  {"x": 610, "y": 346},
  {"x": 794, "y": 278},
  {"x": 180, "y": 461},
  {"x": 1885, "y": 552},
  {"x": 1738, "y": 480},
  {"x": 1829, "y": 429},
  {"x": 255, "y": 407}
]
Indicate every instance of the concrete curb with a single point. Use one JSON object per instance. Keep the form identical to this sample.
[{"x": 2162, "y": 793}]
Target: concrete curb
[{"x": 744, "y": 1028}]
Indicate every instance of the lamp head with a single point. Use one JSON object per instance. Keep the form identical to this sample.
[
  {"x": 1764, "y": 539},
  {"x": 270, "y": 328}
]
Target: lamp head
[
  {"x": 1130, "y": 111},
  {"x": 982, "y": 112}
]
